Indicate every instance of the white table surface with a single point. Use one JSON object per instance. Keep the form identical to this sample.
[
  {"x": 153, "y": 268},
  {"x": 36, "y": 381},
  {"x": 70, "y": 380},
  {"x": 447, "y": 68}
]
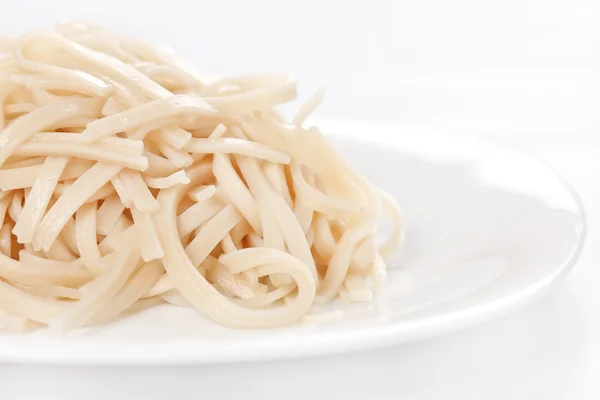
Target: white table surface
[{"x": 525, "y": 71}]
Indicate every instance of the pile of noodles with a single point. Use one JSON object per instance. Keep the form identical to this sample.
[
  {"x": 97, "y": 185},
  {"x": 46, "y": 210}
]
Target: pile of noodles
[{"x": 129, "y": 179}]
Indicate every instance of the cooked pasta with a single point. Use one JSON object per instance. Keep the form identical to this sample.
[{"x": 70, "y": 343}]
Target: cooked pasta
[{"x": 129, "y": 179}]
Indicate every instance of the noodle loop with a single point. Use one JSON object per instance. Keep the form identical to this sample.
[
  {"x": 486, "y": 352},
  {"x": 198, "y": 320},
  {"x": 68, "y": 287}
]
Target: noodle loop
[{"x": 129, "y": 179}]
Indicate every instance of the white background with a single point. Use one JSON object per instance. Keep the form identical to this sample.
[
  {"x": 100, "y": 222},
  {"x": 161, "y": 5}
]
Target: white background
[{"x": 525, "y": 71}]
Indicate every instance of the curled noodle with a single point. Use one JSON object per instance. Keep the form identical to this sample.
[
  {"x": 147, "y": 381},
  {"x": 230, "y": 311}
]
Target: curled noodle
[{"x": 129, "y": 179}]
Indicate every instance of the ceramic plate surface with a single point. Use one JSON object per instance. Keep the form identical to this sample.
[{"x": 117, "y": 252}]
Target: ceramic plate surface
[{"x": 488, "y": 229}]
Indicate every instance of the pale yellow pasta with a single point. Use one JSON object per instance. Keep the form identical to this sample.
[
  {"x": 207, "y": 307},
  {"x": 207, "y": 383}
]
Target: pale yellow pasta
[
  {"x": 175, "y": 178},
  {"x": 201, "y": 193},
  {"x": 108, "y": 213},
  {"x": 40, "y": 195},
  {"x": 25, "y": 176},
  {"x": 129, "y": 179}
]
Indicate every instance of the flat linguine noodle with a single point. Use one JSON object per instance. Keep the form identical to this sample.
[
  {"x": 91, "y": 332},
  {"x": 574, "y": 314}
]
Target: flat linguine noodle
[{"x": 127, "y": 180}]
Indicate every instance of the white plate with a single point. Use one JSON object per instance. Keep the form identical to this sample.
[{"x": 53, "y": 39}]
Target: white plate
[{"x": 488, "y": 229}]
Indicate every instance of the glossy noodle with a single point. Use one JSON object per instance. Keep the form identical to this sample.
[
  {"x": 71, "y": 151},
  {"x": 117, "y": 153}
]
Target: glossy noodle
[{"x": 129, "y": 179}]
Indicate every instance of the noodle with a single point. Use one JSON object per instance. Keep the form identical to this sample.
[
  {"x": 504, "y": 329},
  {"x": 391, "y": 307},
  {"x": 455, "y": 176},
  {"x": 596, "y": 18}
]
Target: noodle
[{"x": 129, "y": 179}]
